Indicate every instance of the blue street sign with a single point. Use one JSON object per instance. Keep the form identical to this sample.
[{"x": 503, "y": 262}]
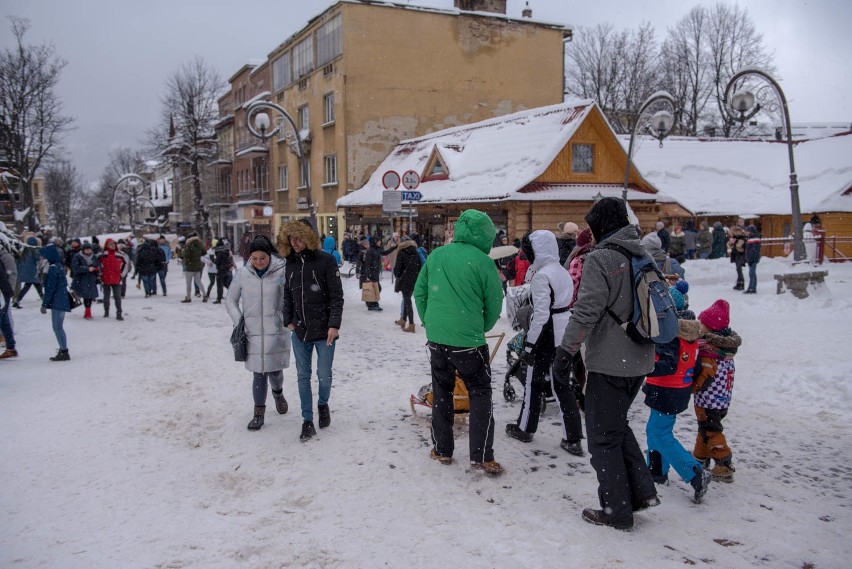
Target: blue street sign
[{"x": 411, "y": 196}]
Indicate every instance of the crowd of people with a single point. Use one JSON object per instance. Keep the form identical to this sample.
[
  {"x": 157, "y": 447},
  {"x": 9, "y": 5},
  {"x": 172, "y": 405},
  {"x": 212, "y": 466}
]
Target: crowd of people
[{"x": 288, "y": 297}]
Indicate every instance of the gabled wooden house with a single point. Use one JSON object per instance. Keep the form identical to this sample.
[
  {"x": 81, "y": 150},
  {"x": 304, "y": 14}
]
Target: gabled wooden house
[{"x": 528, "y": 170}]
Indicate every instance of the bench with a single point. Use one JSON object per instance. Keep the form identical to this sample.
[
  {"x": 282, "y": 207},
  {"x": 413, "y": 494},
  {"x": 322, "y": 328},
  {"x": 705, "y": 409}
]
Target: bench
[{"x": 797, "y": 283}]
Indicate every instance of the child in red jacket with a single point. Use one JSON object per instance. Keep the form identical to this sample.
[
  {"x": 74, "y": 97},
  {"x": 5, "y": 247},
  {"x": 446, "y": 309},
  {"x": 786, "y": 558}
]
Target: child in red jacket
[{"x": 667, "y": 391}]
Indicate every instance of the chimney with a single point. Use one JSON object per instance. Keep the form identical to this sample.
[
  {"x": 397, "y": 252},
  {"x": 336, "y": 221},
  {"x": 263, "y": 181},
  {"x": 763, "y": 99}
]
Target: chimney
[
  {"x": 527, "y": 11},
  {"x": 496, "y": 6}
]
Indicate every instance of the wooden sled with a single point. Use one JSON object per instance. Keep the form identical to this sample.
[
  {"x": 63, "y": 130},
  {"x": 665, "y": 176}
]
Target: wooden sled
[{"x": 461, "y": 402}]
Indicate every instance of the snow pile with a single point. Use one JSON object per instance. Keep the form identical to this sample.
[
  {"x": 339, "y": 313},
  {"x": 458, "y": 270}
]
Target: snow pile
[{"x": 136, "y": 453}]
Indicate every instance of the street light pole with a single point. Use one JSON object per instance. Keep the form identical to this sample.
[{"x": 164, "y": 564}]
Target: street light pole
[
  {"x": 260, "y": 129},
  {"x": 134, "y": 188},
  {"x": 741, "y": 107},
  {"x": 660, "y": 127}
]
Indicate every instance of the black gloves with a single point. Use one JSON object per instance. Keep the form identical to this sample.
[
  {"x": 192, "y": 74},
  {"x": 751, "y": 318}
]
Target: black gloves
[
  {"x": 528, "y": 355},
  {"x": 562, "y": 366},
  {"x": 43, "y": 310}
]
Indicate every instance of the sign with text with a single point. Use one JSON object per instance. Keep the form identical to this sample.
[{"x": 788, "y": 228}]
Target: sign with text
[
  {"x": 391, "y": 201},
  {"x": 411, "y": 196},
  {"x": 410, "y": 180}
]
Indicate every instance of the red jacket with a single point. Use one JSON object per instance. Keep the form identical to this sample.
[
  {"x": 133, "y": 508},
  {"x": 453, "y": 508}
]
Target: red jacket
[
  {"x": 522, "y": 265},
  {"x": 114, "y": 265}
]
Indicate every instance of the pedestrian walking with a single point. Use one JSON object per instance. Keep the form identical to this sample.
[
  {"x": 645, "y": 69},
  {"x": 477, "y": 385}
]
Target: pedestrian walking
[
  {"x": 85, "y": 268},
  {"x": 28, "y": 273},
  {"x": 406, "y": 271},
  {"x": 193, "y": 266},
  {"x": 8, "y": 278},
  {"x": 167, "y": 258},
  {"x": 114, "y": 268},
  {"x": 56, "y": 300}
]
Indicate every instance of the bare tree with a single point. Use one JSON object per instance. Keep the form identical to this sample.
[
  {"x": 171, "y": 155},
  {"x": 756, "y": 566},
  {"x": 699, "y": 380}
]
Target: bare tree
[
  {"x": 616, "y": 68},
  {"x": 31, "y": 115},
  {"x": 732, "y": 44},
  {"x": 65, "y": 197},
  {"x": 186, "y": 136},
  {"x": 121, "y": 161}
]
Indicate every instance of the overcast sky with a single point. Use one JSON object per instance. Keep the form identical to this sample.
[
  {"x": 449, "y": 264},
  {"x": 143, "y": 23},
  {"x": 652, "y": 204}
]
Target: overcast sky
[{"x": 119, "y": 52}]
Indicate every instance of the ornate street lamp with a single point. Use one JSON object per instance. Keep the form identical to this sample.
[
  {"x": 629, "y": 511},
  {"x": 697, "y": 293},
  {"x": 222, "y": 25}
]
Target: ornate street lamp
[
  {"x": 741, "y": 107},
  {"x": 260, "y": 129},
  {"x": 660, "y": 126},
  {"x": 134, "y": 189}
]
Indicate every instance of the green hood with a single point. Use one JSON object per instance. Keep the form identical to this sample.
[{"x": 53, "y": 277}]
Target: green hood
[{"x": 475, "y": 228}]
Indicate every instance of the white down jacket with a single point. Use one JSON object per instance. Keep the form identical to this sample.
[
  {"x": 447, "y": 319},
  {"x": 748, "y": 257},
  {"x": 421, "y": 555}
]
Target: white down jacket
[
  {"x": 262, "y": 303},
  {"x": 548, "y": 275}
]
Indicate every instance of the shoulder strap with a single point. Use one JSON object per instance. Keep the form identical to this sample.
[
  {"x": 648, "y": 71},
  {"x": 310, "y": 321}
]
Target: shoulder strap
[{"x": 629, "y": 255}]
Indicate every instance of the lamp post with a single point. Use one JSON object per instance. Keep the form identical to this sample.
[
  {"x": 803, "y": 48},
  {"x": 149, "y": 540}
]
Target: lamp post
[
  {"x": 659, "y": 127},
  {"x": 741, "y": 107},
  {"x": 134, "y": 188},
  {"x": 260, "y": 129}
]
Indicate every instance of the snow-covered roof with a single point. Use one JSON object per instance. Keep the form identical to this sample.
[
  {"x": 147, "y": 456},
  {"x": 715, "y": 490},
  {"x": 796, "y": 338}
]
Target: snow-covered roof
[
  {"x": 734, "y": 177},
  {"x": 491, "y": 160}
]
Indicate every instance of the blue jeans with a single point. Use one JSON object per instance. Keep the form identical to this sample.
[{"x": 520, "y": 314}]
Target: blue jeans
[
  {"x": 6, "y": 324},
  {"x": 303, "y": 352},
  {"x": 162, "y": 274},
  {"x": 660, "y": 435},
  {"x": 752, "y": 276},
  {"x": 57, "y": 318},
  {"x": 149, "y": 283}
]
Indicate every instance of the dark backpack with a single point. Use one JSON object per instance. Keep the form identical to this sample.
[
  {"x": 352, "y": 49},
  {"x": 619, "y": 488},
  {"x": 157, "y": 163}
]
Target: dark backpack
[
  {"x": 654, "y": 318},
  {"x": 222, "y": 260}
]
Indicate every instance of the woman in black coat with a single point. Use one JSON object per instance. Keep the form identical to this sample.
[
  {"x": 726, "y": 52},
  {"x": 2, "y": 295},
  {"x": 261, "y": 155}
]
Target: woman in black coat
[{"x": 406, "y": 270}]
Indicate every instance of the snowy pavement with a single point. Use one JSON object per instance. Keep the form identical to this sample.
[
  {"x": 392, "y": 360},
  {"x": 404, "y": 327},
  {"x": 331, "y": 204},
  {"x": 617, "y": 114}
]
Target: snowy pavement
[{"x": 135, "y": 454}]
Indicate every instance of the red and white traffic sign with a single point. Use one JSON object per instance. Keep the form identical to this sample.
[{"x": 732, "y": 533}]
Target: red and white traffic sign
[
  {"x": 411, "y": 180},
  {"x": 390, "y": 180}
]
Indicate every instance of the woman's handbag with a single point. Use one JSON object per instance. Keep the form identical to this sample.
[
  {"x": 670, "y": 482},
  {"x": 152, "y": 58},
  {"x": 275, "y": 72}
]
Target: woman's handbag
[
  {"x": 369, "y": 292},
  {"x": 239, "y": 341},
  {"x": 74, "y": 299}
]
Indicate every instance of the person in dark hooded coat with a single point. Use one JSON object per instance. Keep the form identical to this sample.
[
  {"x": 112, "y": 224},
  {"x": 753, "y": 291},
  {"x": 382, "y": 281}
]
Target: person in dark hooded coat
[
  {"x": 406, "y": 271},
  {"x": 56, "y": 300}
]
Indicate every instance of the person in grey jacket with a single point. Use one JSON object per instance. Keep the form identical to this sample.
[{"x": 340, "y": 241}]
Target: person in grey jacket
[
  {"x": 615, "y": 364},
  {"x": 259, "y": 284}
]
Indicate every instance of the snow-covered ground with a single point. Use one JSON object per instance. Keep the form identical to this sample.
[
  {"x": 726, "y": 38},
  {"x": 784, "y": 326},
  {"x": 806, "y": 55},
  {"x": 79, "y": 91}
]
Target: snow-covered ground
[{"x": 135, "y": 454}]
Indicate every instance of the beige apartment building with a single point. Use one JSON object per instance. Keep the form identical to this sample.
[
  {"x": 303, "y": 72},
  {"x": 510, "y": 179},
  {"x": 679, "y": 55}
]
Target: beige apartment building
[{"x": 362, "y": 76}]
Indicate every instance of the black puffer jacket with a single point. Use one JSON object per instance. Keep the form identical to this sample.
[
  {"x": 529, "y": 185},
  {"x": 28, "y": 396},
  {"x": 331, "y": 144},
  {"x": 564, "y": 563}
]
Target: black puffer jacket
[
  {"x": 150, "y": 258},
  {"x": 313, "y": 297},
  {"x": 407, "y": 267}
]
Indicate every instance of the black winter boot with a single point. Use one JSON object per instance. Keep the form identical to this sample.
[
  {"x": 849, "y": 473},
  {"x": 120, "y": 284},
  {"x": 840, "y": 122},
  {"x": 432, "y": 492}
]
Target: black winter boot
[
  {"x": 257, "y": 421},
  {"x": 61, "y": 356},
  {"x": 308, "y": 431},
  {"x": 324, "y": 416},
  {"x": 118, "y": 316}
]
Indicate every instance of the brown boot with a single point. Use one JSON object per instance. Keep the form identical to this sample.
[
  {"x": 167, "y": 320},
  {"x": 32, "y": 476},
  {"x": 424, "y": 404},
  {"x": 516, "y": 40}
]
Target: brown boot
[
  {"x": 400, "y": 322},
  {"x": 280, "y": 403},
  {"x": 9, "y": 354},
  {"x": 409, "y": 328},
  {"x": 257, "y": 421}
]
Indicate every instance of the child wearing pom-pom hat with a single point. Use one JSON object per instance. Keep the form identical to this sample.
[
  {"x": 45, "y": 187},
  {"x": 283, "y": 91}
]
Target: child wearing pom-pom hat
[{"x": 713, "y": 386}]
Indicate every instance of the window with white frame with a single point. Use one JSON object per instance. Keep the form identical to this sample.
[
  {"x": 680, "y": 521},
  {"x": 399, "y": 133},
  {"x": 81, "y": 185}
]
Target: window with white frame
[
  {"x": 304, "y": 176},
  {"x": 329, "y": 43},
  {"x": 303, "y": 118},
  {"x": 328, "y": 109},
  {"x": 303, "y": 57},
  {"x": 329, "y": 164},
  {"x": 283, "y": 181},
  {"x": 281, "y": 74}
]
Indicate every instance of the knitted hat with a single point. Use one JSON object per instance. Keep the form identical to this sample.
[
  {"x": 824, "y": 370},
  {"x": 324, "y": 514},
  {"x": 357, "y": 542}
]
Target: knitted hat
[
  {"x": 682, "y": 286},
  {"x": 261, "y": 243},
  {"x": 717, "y": 317},
  {"x": 86, "y": 245},
  {"x": 607, "y": 216},
  {"x": 679, "y": 301},
  {"x": 660, "y": 225}
]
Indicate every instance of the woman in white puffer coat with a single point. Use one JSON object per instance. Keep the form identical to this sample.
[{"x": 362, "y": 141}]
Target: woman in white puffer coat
[
  {"x": 259, "y": 284},
  {"x": 551, "y": 291}
]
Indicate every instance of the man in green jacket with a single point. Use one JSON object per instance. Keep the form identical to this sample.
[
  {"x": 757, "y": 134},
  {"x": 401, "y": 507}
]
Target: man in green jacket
[
  {"x": 459, "y": 297},
  {"x": 193, "y": 266}
]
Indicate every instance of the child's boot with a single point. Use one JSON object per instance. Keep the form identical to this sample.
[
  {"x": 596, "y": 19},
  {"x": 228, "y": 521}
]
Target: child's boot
[{"x": 723, "y": 471}]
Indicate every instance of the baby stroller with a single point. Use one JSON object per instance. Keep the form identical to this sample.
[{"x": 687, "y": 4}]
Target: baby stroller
[{"x": 519, "y": 313}]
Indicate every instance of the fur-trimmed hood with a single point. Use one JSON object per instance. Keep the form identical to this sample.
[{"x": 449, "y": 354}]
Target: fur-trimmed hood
[
  {"x": 300, "y": 230},
  {"x": 689, "y": 330}
]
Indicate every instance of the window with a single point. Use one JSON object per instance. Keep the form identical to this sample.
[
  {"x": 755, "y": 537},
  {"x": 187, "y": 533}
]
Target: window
[
  {"x": 329, "y": 164},
  {"x": 329, "y": 45},
  {"x": 281, "y": 75},
  {"x": 328, "y": 109},
  {"x": 304, "y": 177},
  {"x": 283, "y": 182},
  {"x": 303, "y": 118},
  {"x": 583, "y": 158},
  {"x": 303, "y": 57}
]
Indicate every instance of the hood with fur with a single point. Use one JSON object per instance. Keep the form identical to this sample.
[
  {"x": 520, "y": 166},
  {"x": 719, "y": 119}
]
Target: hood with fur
[{"x": 300, "y": 230}]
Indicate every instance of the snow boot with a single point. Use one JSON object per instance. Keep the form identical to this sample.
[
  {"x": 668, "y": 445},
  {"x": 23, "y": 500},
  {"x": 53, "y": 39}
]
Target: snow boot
[
  {"x": 442, "y": 459},
  {"x": 185, "y": 300},
  {"x": 324, "y": 416},
  {"x": 61, "y": 356},
  {"x": 88, "y": 314},
  {"x": 118, "y": 316},
  {"x": 15, "y": 304},
  {"x": 204, "y": 299},
  {"x": 400, "y": 322},
  {"x": 9, "y": 354},
  {"x": 491, "y": 467},
  {"x": 574, "y": 448},
  {"x": 106, "y": 313},
  {"x": 257, "y": 421},
  {"x": 409, "y": 328},
  {"x": 280, "y": 403},
  {"x": 598, "y": 518},
  {"x": 655, "y": 465},
  {"x": 700, "y": 482},
  {"x": 723, "y": 471},
  {"x": 308, "y": 431},
  {"x": 515, "y": 432},
  {"x": 646, "y": 503}
]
